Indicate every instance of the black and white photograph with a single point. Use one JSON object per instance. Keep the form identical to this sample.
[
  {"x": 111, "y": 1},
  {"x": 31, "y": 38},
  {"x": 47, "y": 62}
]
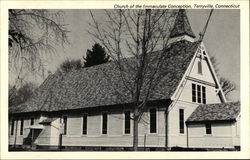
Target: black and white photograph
[{"x": 124, "y": 80}]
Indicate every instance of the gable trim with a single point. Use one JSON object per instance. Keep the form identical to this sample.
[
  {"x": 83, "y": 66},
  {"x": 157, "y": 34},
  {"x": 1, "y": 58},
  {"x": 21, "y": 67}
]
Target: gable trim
[
  {"x": 200, "y": 81},
  {"x": 223, "y": 98}
]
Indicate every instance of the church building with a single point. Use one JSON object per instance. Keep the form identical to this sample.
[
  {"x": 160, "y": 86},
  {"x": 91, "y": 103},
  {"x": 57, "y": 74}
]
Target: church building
[{"x": 82, "y": 109}]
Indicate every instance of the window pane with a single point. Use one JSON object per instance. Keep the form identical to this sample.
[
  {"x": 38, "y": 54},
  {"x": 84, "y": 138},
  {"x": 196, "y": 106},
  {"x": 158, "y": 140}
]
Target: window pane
[
  {"x": 12, "y": 127},
  {"x": 153, "y": 120},
  {"x": 204, "y": 95},
  {"x": 127, "y": 122},
  {"x": 198, "y": 93},
  {"x": 21, "y": 127},
  {"x": 181, "y": 120},
  {"x": 84, "y": 125},
  {"x": 65, "y": 124},
  {"x": 208, "y": 129},
  {"x": 104, "y": 123},
  {"x": 193, "y": 93},
  {"x": 32, "y": 121}
]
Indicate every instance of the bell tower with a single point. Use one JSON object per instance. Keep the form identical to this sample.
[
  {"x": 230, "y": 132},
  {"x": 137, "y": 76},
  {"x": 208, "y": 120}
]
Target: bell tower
[{"x": 182, "y": 29}]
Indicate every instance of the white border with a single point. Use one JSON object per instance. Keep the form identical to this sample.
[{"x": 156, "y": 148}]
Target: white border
[{"x": 244, "y": 153}]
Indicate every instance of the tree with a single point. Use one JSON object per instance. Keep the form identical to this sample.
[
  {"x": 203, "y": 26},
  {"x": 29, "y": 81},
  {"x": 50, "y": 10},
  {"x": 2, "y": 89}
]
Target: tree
[
  {"x": 69, "y": 65},
  {"x": 97, "y": 56},
  {"x": 20, "y": 95},
  {"x": 33, "y": 33},
  {"x": 137, "y": 33},
  {"x": 226, "y": 85}
]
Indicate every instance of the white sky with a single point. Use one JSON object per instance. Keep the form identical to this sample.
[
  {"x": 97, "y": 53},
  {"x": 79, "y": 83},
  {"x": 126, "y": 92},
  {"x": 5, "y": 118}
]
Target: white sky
[{"x": 222, "y": 39}]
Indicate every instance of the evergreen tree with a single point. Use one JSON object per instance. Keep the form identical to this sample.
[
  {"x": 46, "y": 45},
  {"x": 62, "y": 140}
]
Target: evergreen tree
[{"x": 97, "y": 56}]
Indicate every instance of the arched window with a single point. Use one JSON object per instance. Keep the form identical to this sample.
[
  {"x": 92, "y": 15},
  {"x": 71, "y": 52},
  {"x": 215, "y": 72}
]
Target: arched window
[{"x": 199, "y": 67}]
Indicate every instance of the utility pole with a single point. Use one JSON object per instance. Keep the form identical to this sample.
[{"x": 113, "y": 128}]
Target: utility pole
[{"x": 202, "y": 34}]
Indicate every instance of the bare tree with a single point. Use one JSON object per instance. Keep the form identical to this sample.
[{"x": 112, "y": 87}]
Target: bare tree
[
  {"x": 227, "y": 86},
  {"x": 33, "y": 34},
  {"x": 136, "y": 33}
]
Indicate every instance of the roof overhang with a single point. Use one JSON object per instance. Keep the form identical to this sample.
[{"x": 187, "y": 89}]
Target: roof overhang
[
  {"x": 210, "y": 121},
  {"x": 35, "y": 127}
]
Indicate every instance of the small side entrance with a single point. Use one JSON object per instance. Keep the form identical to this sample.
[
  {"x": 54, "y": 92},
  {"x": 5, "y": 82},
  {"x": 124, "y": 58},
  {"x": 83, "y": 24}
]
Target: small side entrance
[{"x": 34, "y": 133}]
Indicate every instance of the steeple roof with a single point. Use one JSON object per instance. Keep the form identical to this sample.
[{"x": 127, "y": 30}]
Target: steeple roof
[{"x": 182, "y": 25}]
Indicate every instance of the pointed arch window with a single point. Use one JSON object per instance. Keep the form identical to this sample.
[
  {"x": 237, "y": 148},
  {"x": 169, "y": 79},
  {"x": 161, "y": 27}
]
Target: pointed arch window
[{"x": 199, "y": 67}]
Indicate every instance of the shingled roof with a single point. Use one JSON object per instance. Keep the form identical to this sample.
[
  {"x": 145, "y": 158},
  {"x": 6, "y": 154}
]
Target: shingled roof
[
  {"x": 215, "y": 112},
  {"x": 182, "y": 25},
  {"x": 102, "y": 85}
]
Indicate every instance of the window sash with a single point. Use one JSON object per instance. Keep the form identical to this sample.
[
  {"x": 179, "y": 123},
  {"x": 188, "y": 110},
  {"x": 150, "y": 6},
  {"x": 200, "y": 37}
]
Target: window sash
[
  {"x": 208, "y": 128},
  {"x": 12, "y": 127},
  {"x": 21, "y": 127},
  {"x": 181, "y": 120},
  {"x": 199, "y": 67},
  {"x": 104, "y": 123},
  {"x": 31, "y": 121},
  {"x": 193, "y": 92},
  {"x": 65, "y": 125},
  {"x": 127, "y": 122},
  {"x": 85, "y": 123},
  {"x": 153, "y": 125},
  {"x": 203, "y": 95},
  {"x": 198, "y": 93}
]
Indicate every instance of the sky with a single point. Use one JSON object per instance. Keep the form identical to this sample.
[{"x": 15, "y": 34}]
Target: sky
[{"x": 222, "y": 40}]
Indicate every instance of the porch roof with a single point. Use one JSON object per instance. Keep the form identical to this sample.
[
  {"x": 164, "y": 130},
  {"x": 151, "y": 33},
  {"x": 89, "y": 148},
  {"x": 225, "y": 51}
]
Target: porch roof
[{"x": 215, "y": 112}]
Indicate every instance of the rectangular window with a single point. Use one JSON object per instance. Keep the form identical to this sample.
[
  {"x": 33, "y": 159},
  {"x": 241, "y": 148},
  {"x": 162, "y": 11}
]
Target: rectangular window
[
  {"x": 153, "y": 120},
  {"x": 203, "y": 95},
  {"x": 199, "y": 67},
  {"x": 21, "y": 127},
  {"x": 208, "y": 128},
  {"x": 127, "y": 122},
  {"x": 181, "y": 120},
  {"x": 198, "y": 93},
  {"x": 31, "y": 121},
  {"x": 65, "y": 124},
  {"x": 12, "y": 127},
  {"x": 104, "y": 123},
  {"x": 193, "y": 92},
  {"x": 84, "y": 123}
]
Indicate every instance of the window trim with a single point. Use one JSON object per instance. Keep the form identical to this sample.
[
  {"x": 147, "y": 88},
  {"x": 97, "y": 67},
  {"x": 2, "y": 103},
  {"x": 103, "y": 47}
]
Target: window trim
[
  {"x": 83, "y": 123},
  {"x": 127, "y": 110},
  {"x": 180, "y": 121},
  {"x": 102, "y": 122},
  {"x": 156, "y": 109}
]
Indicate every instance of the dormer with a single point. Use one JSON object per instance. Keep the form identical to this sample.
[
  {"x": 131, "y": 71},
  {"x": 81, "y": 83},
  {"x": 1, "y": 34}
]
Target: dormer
[{"x": 182, "y": 29}]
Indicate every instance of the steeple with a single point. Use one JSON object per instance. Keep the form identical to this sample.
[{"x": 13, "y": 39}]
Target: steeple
[{"x": 182, "y": 28}]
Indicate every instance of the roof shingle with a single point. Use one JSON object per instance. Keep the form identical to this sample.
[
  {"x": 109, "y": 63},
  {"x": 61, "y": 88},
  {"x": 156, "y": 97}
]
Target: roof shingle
[
  {"x": 215, "y": 112},
  {"x": 182, "y": 25},
  {"x": 102, "y": 85}
]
